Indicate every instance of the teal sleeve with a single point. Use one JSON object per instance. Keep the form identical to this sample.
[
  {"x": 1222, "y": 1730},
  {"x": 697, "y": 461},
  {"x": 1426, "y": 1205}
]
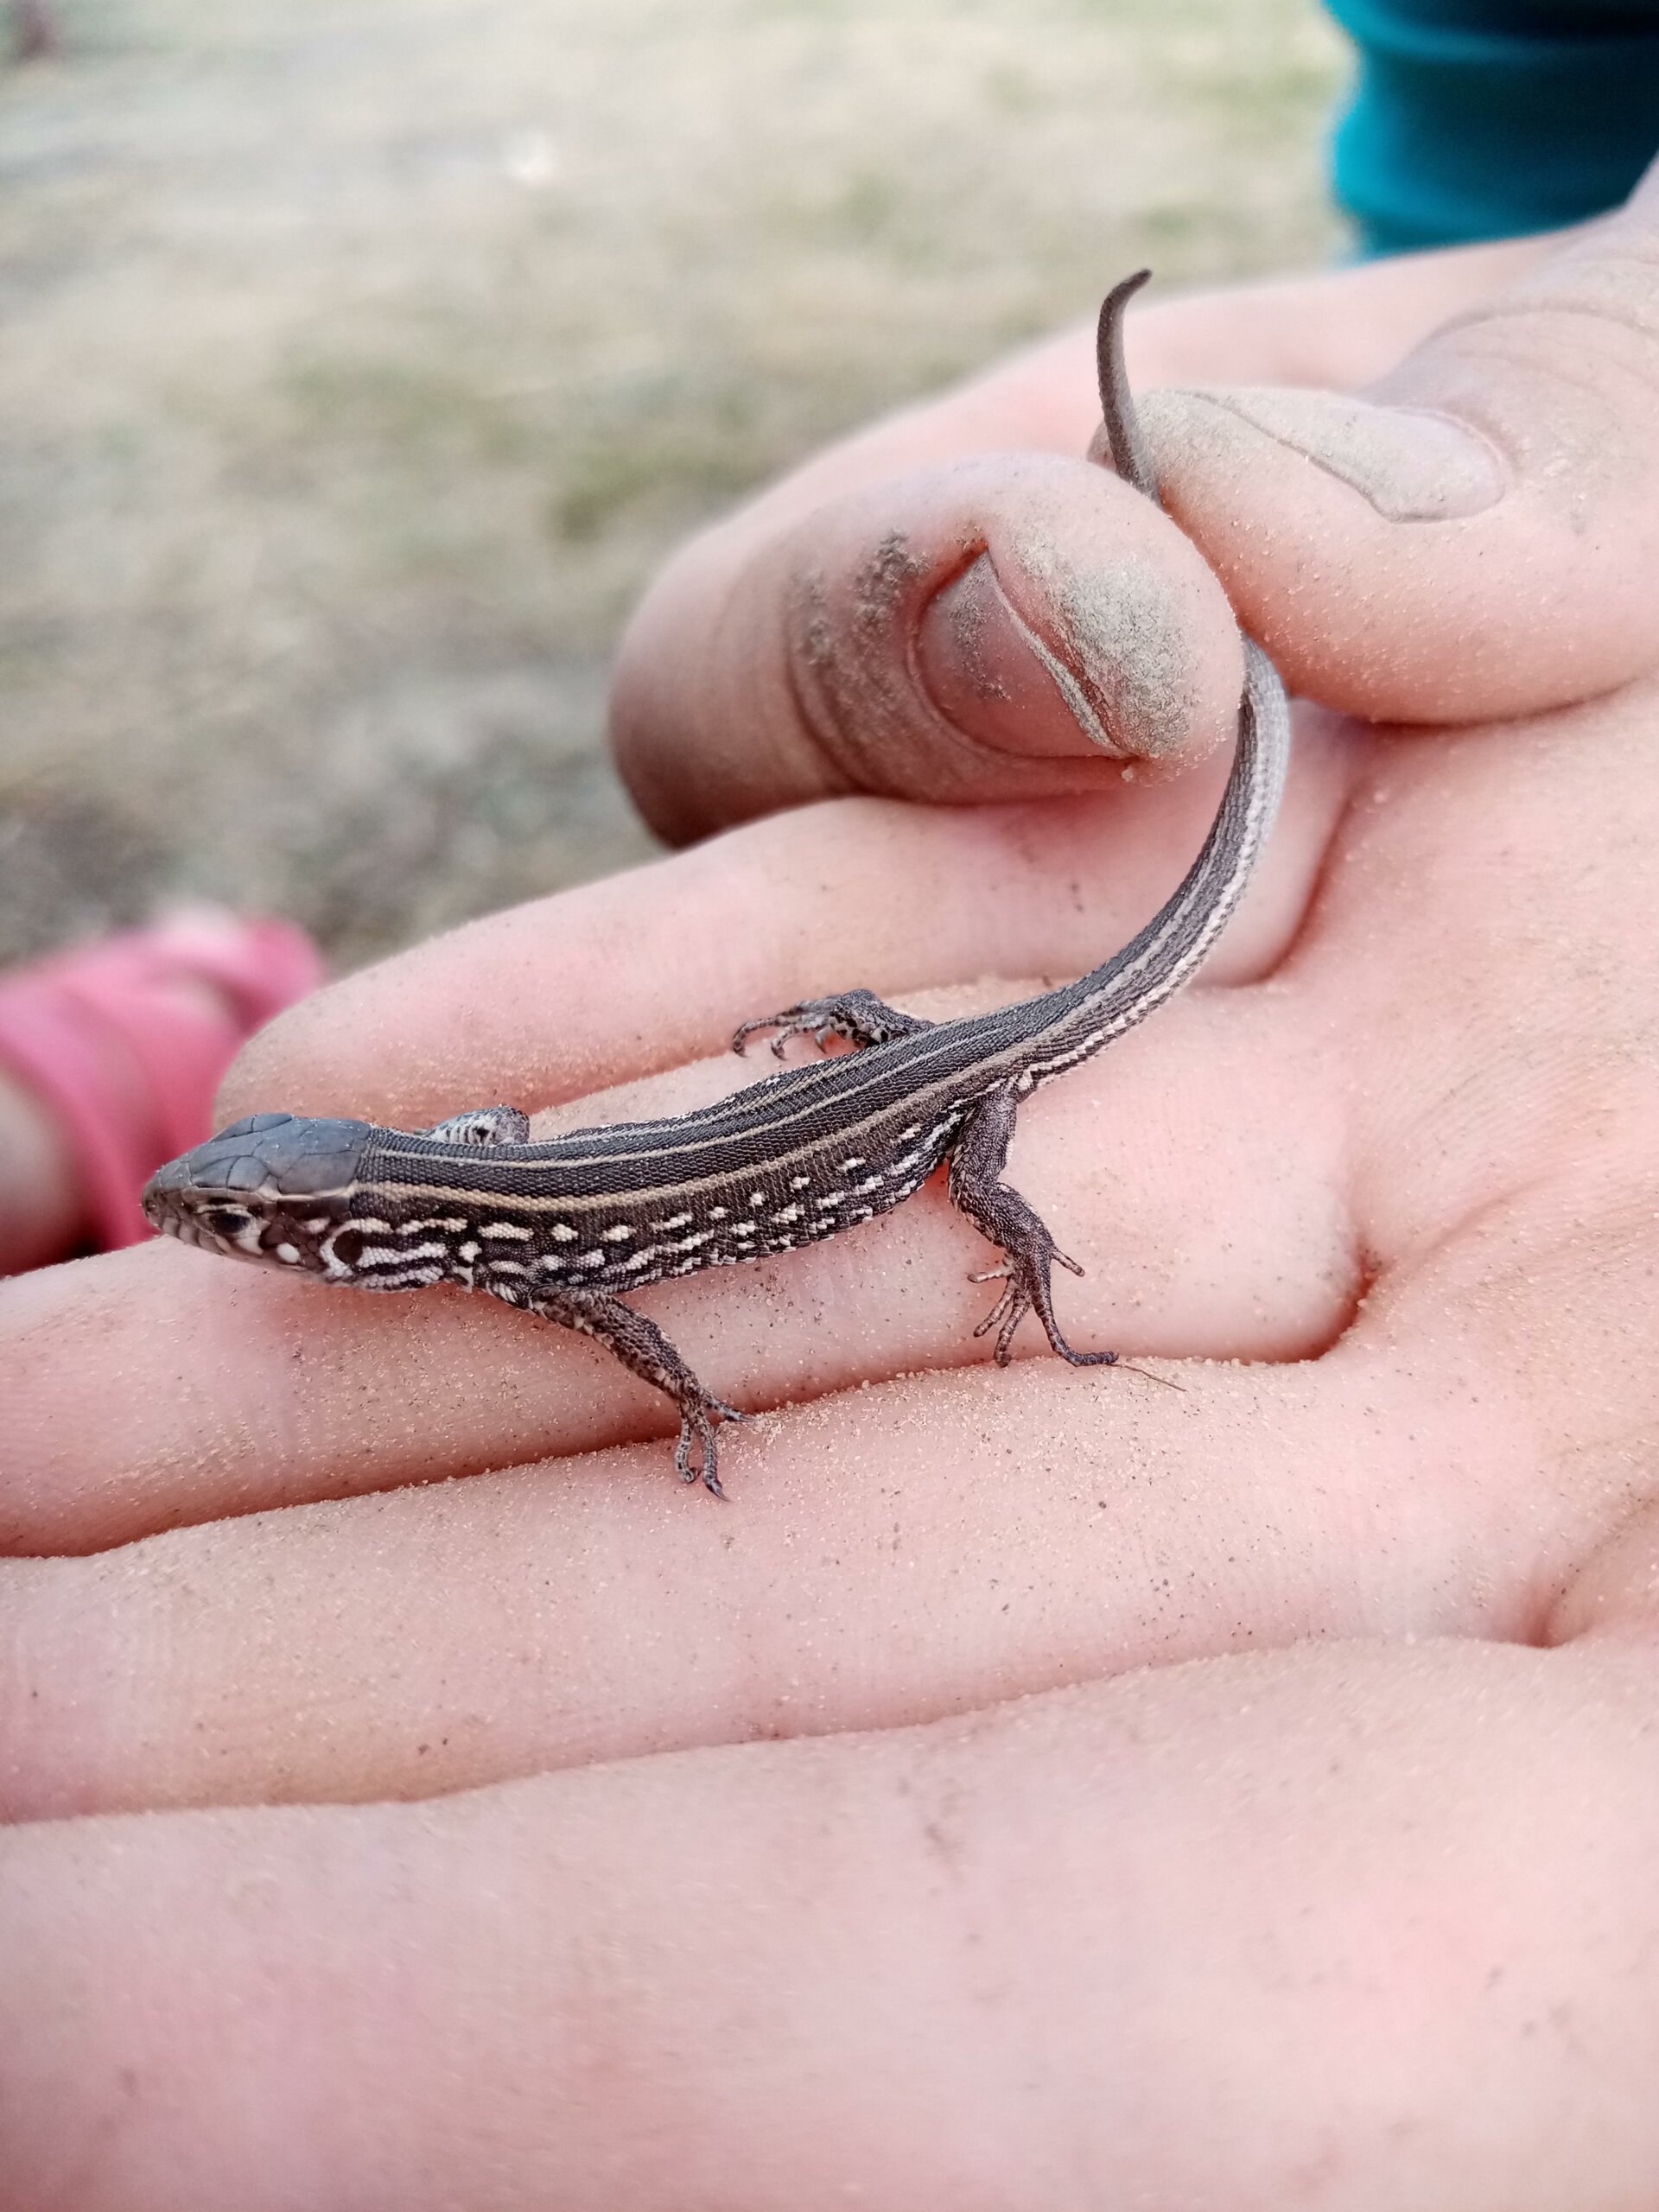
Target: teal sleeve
[{"x": 1488, "y": 118}]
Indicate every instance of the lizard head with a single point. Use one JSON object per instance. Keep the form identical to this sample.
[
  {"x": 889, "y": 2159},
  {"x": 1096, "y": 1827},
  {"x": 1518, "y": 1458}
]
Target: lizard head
[{"x": 274, "y": 1189}]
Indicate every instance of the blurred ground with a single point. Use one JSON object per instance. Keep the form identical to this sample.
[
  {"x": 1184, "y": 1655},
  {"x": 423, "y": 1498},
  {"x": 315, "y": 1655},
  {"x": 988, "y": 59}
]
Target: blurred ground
[{"x": 362, "y": 357}]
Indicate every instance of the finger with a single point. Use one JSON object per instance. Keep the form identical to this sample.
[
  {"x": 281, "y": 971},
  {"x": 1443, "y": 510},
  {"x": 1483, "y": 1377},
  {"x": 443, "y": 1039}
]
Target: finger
[
  {"x": 1006, "y": 626},
  {"x": 1361, "y": 1912},
  {"x": 644, "y": 970},
  {"x": 710, "y": 722},
  {"x": 892, "y": 1554},
  {"x": 1474, "y": 537},
  {"x": 241, "y": 1389}
]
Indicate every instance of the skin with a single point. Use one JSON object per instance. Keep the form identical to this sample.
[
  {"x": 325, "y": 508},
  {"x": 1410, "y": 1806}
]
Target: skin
[{"x": 1037, "y": 1789}]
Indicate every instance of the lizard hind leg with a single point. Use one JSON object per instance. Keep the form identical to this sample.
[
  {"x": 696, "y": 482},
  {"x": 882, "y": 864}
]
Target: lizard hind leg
[
  {"x": 1009, "y": 1222},
  {"x": 642, "y": 1347},
  {"x": 859, "y": 1016}
]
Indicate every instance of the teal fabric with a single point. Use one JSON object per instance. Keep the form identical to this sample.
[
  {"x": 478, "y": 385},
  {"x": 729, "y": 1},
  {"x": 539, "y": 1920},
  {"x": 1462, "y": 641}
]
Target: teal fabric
[{"x": 1489, "y": 119}]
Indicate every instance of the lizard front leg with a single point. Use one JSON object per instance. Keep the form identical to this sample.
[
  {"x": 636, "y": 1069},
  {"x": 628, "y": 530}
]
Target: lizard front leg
[
  {"x": 641, "y": 1346},
  {"x": 491, "y": 1125},
  {"x": 999, "y": 1212},
  {"x": 859, "y": 1016}
]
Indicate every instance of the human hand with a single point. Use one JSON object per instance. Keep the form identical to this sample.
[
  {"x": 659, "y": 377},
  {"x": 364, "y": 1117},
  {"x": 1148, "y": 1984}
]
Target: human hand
[
  {"x": 1364, "y": 1920},
  {"x": 942, "y": 682}
]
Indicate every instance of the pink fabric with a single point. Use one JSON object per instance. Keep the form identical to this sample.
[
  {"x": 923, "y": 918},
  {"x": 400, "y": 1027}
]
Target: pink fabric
[{"x": 129, "y": 1063}]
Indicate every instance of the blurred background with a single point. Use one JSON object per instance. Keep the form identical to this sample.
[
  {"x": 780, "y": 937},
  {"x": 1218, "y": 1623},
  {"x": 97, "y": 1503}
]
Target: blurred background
[{"x": 362, "y": 358}]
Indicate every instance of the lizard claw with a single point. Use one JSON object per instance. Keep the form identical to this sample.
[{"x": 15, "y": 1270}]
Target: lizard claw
[
  {"x": 859, "y": 1016},
  {"x": 698, "y": 1426}
]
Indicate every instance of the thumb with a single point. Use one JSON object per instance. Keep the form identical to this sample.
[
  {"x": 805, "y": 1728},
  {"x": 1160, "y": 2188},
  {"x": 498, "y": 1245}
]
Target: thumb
[
  {"x": 1476, "y": 535},
  {"x": 1006, "y": 626}
]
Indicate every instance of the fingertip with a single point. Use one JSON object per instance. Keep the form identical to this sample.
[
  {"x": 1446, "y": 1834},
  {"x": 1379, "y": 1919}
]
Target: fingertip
[
  {"x": 992, "y": 676},
  {"x": 1473, "y": 538},
  {"x": 1408, "y": 464},
  {"x": 1080, "y": 628}
]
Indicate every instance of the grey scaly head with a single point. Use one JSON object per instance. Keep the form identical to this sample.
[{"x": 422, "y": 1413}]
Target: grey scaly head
[
  {"x": 271, "y": 1189},
  {"x": 561, "y": 1229}
]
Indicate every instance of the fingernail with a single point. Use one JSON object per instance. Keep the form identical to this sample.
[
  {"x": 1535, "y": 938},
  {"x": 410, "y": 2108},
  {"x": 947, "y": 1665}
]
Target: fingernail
[
  {"x": 991, "y": 676},
  {"x": 1412, "y": 466}
]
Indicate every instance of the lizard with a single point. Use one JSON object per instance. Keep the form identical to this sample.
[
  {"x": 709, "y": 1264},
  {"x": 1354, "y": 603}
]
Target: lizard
[{"x": 565, "y": 1227}]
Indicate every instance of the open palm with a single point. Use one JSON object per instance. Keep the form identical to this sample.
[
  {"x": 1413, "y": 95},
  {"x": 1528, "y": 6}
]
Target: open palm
[{"x": 1358, "y": 1904}]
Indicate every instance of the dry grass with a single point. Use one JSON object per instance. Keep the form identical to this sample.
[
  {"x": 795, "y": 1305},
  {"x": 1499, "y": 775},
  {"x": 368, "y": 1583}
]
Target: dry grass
[{"x": 364, "y": 356}]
